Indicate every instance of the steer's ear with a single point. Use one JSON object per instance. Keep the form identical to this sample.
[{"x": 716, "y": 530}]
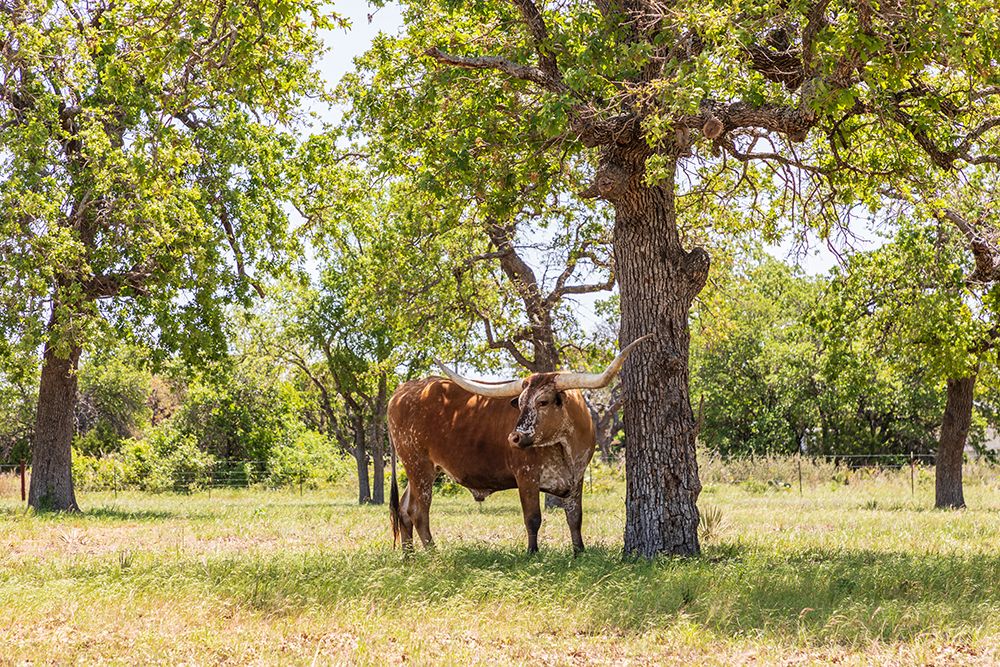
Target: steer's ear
[{"x": 514, "y": 401}]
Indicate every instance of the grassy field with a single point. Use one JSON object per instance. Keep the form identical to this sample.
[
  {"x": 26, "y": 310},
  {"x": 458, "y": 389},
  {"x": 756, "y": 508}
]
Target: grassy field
[{"x": 855, "y": 573}]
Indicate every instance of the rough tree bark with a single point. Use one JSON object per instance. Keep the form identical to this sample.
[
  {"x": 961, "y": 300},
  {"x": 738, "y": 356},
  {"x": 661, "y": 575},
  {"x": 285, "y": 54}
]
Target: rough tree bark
[
  {"x": 360, "y": 452},
  {"x": 948, "y": 492},
  {"x": 51, "y": 456},
  {"x": 658, "y": 280}
]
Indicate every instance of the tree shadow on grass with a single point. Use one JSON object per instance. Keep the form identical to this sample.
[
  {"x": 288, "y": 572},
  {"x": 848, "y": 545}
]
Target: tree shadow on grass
[
  {"x": 103, "y": 513},
  {"x": 840, "y": 596},
  {"x": 112, "y": 512},
  {"x": 472, "y": 507}
]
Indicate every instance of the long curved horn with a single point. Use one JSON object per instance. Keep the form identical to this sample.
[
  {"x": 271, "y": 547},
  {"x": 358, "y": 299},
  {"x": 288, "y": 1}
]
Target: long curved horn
[
  {"x": 503, "y": 390},
  {"x": 597, "y": 380}
]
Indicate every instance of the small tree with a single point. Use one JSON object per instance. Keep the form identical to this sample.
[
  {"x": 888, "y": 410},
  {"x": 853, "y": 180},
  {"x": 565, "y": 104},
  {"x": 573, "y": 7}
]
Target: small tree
[
  {"x": 928, "y": 300},
  {"x": 115, "y": 388}
]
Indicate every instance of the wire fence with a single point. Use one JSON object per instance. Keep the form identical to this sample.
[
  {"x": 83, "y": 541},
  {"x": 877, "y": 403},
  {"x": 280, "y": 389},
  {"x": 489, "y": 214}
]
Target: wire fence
[
  {"x": 114, "y": 476},
  {"x": 798, "y": 472},
  {"x": 803, "y": 470}
]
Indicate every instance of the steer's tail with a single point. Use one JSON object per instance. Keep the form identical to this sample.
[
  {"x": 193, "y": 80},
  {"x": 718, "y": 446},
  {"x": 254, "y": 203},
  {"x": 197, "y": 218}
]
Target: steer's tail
[{"x": 393, "y": 494}]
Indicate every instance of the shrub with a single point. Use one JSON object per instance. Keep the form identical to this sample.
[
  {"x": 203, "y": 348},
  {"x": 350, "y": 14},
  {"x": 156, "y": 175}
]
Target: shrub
[
  {"x": 310, "y": 459},
  {"x": 166, "y": 460},
  {"x": 181, "y": 466},
  {"x": 95, "y": 473}
]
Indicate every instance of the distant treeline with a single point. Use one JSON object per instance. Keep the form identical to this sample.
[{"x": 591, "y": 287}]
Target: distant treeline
[{"x": 773, "y": 372}]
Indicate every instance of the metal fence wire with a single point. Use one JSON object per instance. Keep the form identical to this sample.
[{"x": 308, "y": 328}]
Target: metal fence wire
[
  {"x": 802, "y": 471},
  {"x": 113, "y": 476}
]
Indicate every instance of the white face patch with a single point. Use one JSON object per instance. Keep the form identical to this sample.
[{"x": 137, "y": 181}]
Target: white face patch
[{"x": 527, "y": 422}]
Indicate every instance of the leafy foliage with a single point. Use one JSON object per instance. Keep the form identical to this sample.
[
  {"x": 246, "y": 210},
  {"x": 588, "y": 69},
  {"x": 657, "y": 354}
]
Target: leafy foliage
[
  {"x": 114, "y": 389},
  {"x": 777, "y": 378},
  {"x": 145, "y": 151}
]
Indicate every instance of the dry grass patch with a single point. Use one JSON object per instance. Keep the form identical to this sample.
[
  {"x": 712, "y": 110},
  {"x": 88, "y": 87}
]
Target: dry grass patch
[{"x": 264, "y": 577}]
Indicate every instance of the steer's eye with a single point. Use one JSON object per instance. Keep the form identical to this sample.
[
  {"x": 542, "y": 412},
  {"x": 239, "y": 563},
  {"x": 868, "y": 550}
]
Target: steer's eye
[{"x": 542, "y": 404}]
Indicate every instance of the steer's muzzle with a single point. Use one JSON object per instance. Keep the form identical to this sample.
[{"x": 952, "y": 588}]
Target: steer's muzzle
[{"x": 520, "y": 439}]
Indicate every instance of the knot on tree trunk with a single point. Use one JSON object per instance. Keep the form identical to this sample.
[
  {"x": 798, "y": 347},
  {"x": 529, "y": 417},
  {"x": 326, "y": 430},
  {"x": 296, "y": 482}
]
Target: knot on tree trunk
[
  {"x": 671, "y": 363},
  {"x": 713, "y": 128},
  {"x": 610, "y": 183},
  {"x": 696, "y": 266}
]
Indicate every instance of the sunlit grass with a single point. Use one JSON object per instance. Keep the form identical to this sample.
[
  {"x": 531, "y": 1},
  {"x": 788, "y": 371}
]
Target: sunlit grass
[{"x": 862, "y": 573}]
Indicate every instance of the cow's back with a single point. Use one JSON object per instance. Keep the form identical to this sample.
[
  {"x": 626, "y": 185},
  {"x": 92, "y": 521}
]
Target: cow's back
[{"x": 435, "y": 421}]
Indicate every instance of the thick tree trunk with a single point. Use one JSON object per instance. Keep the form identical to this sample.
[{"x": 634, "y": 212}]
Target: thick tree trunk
[
  {"x": 51, "y": 457},
  {"x": 658, "y": 281},
  {"x": 951, "y": 446},
  {"x": 361, "y": 458}
]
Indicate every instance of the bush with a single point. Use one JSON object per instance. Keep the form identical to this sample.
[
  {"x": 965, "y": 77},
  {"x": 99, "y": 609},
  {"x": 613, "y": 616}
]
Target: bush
[
  {"x": 238, "y": 415},
  {"x": 112, "y": 406},
  {"x": 180, "y": 466},
  {"x": 95, "y": 473},
  {"x": 309, "y": 459},
  {"x": 165, "y": 461}
]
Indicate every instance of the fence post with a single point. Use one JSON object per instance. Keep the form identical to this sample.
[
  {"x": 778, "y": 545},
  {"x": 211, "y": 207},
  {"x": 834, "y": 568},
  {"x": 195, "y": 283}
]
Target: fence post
[
  {"x": 114, "y": 477},
  {"x": 799, "y": 461},
  {"x": 912, "y": 473},
  {"x": 23, "y": 497}
]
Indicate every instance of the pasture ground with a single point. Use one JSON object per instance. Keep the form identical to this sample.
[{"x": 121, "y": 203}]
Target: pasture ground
[{"x": 862, "y": 573}]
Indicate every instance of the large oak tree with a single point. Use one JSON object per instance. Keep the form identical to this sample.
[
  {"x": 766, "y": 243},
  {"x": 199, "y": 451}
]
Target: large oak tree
[{"x": 800, "y": 108}]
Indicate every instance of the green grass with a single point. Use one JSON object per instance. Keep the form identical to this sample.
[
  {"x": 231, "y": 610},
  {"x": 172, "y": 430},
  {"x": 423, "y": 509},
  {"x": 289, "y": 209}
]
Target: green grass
[{"x": 859, "y": 573}]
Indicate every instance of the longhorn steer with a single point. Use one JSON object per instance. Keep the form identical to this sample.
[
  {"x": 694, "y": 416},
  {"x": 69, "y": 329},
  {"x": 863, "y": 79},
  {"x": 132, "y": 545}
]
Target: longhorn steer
[{"x": 542, "y": 440}]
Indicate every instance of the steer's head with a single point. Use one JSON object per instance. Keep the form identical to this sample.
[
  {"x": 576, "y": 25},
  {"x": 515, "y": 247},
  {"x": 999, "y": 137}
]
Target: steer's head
[
  {"x": 540, "y": 397},
  {"x": 542, "y": 411}
]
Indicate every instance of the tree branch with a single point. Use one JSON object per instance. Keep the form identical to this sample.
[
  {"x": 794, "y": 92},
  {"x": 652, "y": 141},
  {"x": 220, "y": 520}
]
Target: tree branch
[
  {"x": 508, "y": 345},
  {"x": 984, "y": 251},
  {"x": 535, "y": 24},
  {"x": 528, "y": 73},
  {"x": 109, "y": 285}
]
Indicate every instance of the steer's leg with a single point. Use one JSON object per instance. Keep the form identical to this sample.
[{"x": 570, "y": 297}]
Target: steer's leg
[
  {"x": 420, "y": 488},
  {"x": 405, "y": 523},
  {"x": 532, "y": 512},
  {"x": 573, "y": 505}
]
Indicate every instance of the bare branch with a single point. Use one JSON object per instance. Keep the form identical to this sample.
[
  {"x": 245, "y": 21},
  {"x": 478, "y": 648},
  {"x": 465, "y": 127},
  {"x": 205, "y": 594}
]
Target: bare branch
[
  {"x": 495, "y": 344},
  {"x": 774, "y": 157},
  {"x": 110, "y": 285},
  {"x": 793, "y": 122},
  {"x": 528, "y": 73},
  {"x": 984, "y": 251},
  {"x": 588, "y": 289}
]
